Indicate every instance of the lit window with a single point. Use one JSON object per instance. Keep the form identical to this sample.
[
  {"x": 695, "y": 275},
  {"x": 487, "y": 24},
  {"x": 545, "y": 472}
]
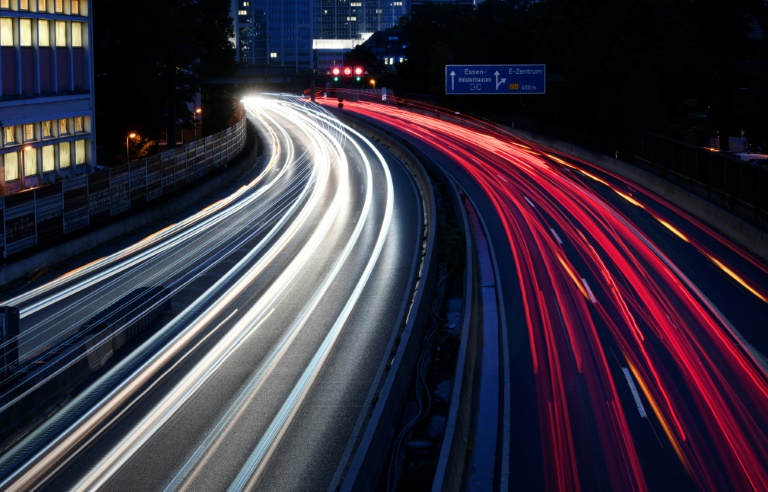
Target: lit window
[
  {"x": 75, "y": 7},
  {"x": 273, "y": 55},
  {"x": 61, "y": 34},
  {"x": 23, "y": 4},
  {"x": 59, "y": 7},
  {"x": 78, "y": 124},
  {"x": 30, "y": 162},
  {"x": 5, "y": 4},
  {"x": 77, "y": 34},
  {"x": 10, "y": 134},
  {"x": 80, "y": 152},
  {"x": 11, "y": 166},
  {"x": 25, "y": 32},
  {"x": 242, "y": 12},
  {"x": 65, "y": 160},
  {"x": 43, "y": 33},
  {"x": 6, "y": 32},
  {"x": 49, "y": 162},
  {"x": 29, "y": 132},
  {"x": 47, "y": 129},
  {"x": 41, "y": 6},
  {"x": 63, "y": 126}
]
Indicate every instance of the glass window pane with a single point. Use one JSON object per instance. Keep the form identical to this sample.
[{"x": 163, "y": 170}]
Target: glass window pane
[
  {"x": 61, "y": 33},
  {"x": 49, "y": 164},
  {"x": 75, "y": 7},
  {"x": 41, "y": 6},
  {"x": 25, "y": 32},
  {"x": 30, "y": 162},
  {"x": 10, "y": 134},
  {"x": 80, "y": 152},
  {"x": 64, "y": 157},
  {"x": 6, "y": 32},
  {"x": 29, "y": 132},
  {"x": 11, "y": 166},
  {"x": 47, "y": 129},
  {"x": 77, "y": 34},
  {"x": 43, "y": 33},
  {"x": 63, "y": 126}
]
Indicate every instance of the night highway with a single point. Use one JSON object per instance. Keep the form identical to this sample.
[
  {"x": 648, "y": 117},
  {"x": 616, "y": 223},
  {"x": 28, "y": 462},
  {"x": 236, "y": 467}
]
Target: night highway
[
  {"x": 632, "y": 335},
  {"x": 286, "y": 298}
]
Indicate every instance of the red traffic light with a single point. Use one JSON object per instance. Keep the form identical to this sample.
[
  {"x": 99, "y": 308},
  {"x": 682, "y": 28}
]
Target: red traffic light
[
  {"x": 347, "y": 71},
  {"x": 335, "y": 71},
  {"x": 359, "y": 71}
]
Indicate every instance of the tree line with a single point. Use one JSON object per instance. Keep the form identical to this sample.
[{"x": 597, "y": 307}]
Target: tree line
[
  {"x": 150, "y": 57},
  {"x": 670, "y": 66}
]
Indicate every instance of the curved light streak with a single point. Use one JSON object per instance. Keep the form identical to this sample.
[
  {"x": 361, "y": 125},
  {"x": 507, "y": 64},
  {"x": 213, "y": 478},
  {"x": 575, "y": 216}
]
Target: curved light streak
[{"x": 674, "y": 340}]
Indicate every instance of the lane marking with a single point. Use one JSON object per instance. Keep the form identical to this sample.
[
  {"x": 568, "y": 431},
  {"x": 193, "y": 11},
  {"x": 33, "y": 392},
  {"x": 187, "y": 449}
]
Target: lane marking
[
  {"x": 635, "y": 394},
  {"x": 554, "y": 233},
  {"x": 529, "y": 202},
  {"x": 589, "y": 291}
]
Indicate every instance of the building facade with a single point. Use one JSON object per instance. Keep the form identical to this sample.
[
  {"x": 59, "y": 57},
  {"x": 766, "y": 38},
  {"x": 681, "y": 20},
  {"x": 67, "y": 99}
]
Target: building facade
[
  {"x": 46, "y": 92},
  {"x": 274, "y": 32},
  {"x": 308, "y": 34}
]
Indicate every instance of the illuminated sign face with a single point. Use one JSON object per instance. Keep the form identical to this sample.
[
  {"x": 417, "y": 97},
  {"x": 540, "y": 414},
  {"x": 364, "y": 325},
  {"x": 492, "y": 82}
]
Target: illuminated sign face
[
  {"x": 347, "y": 71},
  {"x": 335, "y": 71},
  {"x": 358, "y": 71}
]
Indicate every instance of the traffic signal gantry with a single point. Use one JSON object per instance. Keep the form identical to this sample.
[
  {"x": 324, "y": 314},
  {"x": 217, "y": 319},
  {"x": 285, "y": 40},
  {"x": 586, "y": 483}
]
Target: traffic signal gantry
[{"x": 347, "y": 72}]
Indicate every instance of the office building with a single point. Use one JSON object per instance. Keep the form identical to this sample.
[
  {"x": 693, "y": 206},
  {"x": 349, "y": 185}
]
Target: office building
[
  {"x": 274, "y": 32},
  {"x": 308, "y": 34},
  {"x": 46, "y": 92}
]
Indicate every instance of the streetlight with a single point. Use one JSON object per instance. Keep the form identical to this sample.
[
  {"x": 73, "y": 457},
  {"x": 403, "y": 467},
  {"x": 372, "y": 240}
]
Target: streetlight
[
  {"x": 127, "y": 149},
  {"x": 373, "y": 83},
  {"x": 198, "y": 111}
]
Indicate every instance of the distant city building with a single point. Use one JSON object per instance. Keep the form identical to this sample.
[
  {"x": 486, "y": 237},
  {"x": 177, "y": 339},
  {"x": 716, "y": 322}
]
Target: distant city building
[
  {"x": 46, "y": 92},
  {"x": 308, "y": 34},
  {"x": 274, "y": 32},
  {"x": 388, "y": 46}
]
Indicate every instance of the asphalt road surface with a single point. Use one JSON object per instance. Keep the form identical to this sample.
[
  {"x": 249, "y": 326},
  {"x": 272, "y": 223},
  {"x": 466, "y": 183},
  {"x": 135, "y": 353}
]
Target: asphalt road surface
[{"x": 286, "y": 298}]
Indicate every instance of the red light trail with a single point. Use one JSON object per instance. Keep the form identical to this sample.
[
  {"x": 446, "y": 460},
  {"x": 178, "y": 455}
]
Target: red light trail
[{"x": 592, "y": 281}]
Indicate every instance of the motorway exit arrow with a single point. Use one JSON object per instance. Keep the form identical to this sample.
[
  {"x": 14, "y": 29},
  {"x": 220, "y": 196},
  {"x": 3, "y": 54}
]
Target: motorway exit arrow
[{"x": 496, "y": 79}]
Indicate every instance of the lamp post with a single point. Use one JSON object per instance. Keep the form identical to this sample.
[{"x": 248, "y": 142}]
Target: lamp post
[
  {"x": 127, "y": 149},
  {"x": 198, "y": 111}
]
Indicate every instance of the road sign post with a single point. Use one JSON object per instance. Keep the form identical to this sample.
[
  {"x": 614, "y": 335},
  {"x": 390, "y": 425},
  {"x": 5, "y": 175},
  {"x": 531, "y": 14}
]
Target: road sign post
[{"x": 495, "y": 79}]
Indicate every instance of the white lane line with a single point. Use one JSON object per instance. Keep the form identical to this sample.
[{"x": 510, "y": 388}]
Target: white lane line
[
  {"x": 529, "y": 202},
  {"x": 554, "y": 233},
  {"x": 589, "y": 291},
  {"x": 635, "y": 394}
]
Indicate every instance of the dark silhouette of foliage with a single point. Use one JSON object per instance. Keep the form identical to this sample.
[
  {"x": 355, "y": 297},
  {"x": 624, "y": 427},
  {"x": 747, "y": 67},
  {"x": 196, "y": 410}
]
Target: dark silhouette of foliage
[
  {"x": 148, "y": 57},
  {"x": 613, "y": 64}
]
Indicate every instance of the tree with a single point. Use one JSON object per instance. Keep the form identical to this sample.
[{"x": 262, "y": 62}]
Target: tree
[{"x": 148, "y": 58}]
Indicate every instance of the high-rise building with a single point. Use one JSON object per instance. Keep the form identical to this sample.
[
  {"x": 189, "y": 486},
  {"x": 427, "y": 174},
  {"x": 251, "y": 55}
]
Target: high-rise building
[
  {"x": 274, "y": 32},
  {"x": 46, "y": 92},
  {"x": 308, "y": 34}
]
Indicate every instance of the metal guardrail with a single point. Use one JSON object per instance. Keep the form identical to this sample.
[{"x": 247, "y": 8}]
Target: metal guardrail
[
  {"x": 42, "y": 215},
  {"x": 739, "y": 186}
]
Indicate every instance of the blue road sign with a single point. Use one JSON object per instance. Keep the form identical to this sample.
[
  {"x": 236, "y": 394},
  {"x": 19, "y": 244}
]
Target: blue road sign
[{"x": 495, "y": 79}]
